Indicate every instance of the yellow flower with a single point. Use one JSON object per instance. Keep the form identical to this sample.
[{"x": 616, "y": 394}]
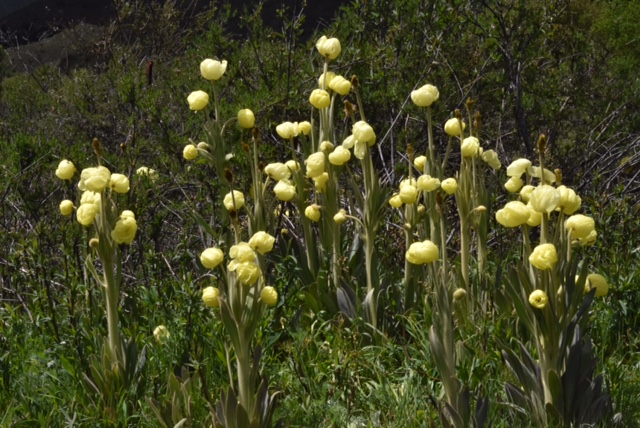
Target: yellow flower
[
  {"x": 211, "y": 297},
  {"x": 262, "y": 242},
  {"x": 241, "y": 253},
  {"x": 269, "y": 296},
  {"x": 315, "y": 164},
  {"x": 234, "y": 201},
  {"x": 420, "y": 162},
  {"x": 212, "y": 69},
  {"x": 198, "y": 100},
  {"x": 580, "y": 226},
  {"x": 491, "y": 158},
  {"x": 125, "y": 230},
  {"x": 119, "y": 183},
  {"x": 292, "y": 165},
  {"x": 363, "y": 132},
  {"x": 325, "y": 79},
  {"x": 538, "y": 299},
  {"x": 590, "y": 239},
  {"x": 546, "y": 175},
  {"x": 190, "y": 152},
  {"x": 570, "y": 202},
  {"x": 395, "y": 201},
  {"x": 145, "y": 171},
  {"x": 66, "y": 207},
  {"x": 89, "y": 197},
  {"x": 284, "y": 190},
  {"x": 287, "y": 130},
  {"x": 127, "y": 213},
  {"x": 469, "y": 147},
  {"x": 420, "y": 253},
  {"x": 94, "y": 179},
  {"x": 544, "y": 256},
  {"x": 513, "y": 184},
  {"x": 408, "y": 194},
  {"x": 525, "y": 193},
  {"x": 312, "y": 212},
  {"x": 535, "y": 218},
  {"x": 452, "y": 127},
  {"x": 449, "y": 185},
  {"x": 427, "y": 183},
  {"x": 304, "y": 128},
  {"x": 544, "y": 198},
  {"x": 514, "y": 214},
  {"x": 248, "y": 272},
  {"x": 598, "y": 282},
  {"x": 66, "y": 169},
  {"x": 211, "y": 257},
  {"x": 339, "y": 156},
  {"x": 320, "y": 182},
  {"x": 340, "y": 217},
  {"x": 340, "y": 85},
  {"x": 246, "y": 118},
  {"x": 277, "y": 171},
  {"x": 161, "y": 334},
  {"x": 320, "y": 98},
  {"x": 328, "y": 48},
  {"x": 86, "y": 214},
  {"x": 518, "y": 167},
  {"x": 459, "y": 294},
  {"x": 326, "y": 146},
  {"x": 425, "y": 96}
]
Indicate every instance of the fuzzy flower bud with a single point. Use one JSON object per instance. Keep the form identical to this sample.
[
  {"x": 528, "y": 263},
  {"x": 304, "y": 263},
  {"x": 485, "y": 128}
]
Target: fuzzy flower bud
[
  {"x": 262, "y": 242},
  {"x": 212, "y": 69},
  {"x": 198, "y": 100},
  {"x": 210, "y": 297},
  {"x": 211, "y": 257},
  {"x": 246, "y": 118},
  {"x": 544, "y": 256},
  {"x": 328, "y": 48},
  {"x": 125, "y": 230},
  {"x": 420, "y": 253},
  {"x": 538, "y": 299},
  {"x": 425, "y": 96},
  {"x": 190, "y": 152},
  {"x": 269, "y": 296},
  {"x": 235, "y": 201},
  {"x": 66, "y": 169},
  {"x": 66, "y": 207}
]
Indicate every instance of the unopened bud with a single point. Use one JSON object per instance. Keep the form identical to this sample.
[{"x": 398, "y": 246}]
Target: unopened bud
[
  {"x": 228, "y": 175},
  {"x": 421, "y": 210},
  {"x": 477, "y": 121},
  {"x": 246, "y": 148},
  {"x": 470, "y": 103},
  {"x": 93, "y": 242},
  {"x": 542, "y": 143},
  {"x": 203, "y": 146},
  {"x": 348, "y": 108},
  {"x": 481, "y": 209},
  {"x": 459, "y": 294},
  {"x": 96, "y": 147},
  {"x": 410, "y": 150},
  {"x": 261, "y": 166},
  {"x": 355, "y": 83},
  {"x": 558, "y": 173},
  {"x": 458, "y": 114},
  {"x": 255, "y": 133},
  {"x": 407, "y": 227}
]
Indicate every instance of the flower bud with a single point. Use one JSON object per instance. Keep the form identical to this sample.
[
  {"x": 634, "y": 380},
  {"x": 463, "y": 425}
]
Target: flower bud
[
  {"x": 234, "y": 201},
  {"x": 363, "y": 132},
  {"x": 312, "y": 212},
  {"x": 211, "y": 257},
  {"x": 452, "y": 127},
  {"x": 459, "y": 294},
  {"x": 190, "y": 152},
  {"x": 535, "y": 218},
  {"x": 66, "y": 170},
  {"x": 544, "y": 198},
  {"x": 538, "y": 299},
  {"x": 287, "y": 130},
  {"x": 339, "y": 156},
  {"x": 119, "y": 183},
  {"x": 125, "y": 230},
  {"x": 161, "y": 334},
  {"x": 210, "y": 297},
  {"x": 570, "y": 202},
  {"x": 395, "y": 201},
  {"x": 86, "y": 214},
  {"x": 514, "y": 214},
  {"x": 304, "y": 128},
  {"x": 518, "y": 167},
  {"x": 198, "y": 100},
  {"x": 425, "y": 96},
  {"x": 277, "y": 171},
  {"x": 284, "y": 190},
  {"x": 580, "y": 226},
  {"x": 248, "y": 273},
  {"x": 427, "y": 183},
  {"x": 598, "y": 282},
  {"x": 449, "y": 185},
  {"x": 212, "y": 69},
  {"x": 328, "y": 48},
  {"x": 340, "y": 217},
  {"x": 408, "y": 194},
  {"x": 325, "y": 79},
  {"x": 94, "y": 179},
  {"x": 544, "y": 256},
  {"x": 420, "y": 162},
  {"x": 269, "y": 296},
  {"x": 326, "y": 147},
  {"x": 525, "y": 193},
  {"x": 340, "y": 85},
  {"x": 320, "y": 182},
  {"x": 246, "y": 118},
  {"x": 315, "y": 164},
  {"x": 469, "y": 147},
  {"x": 513, "y": 184},
  {"x": 262, "y": 242},
  {"x": 420, "y": 253},
  {"x": 491, "y": 158},
  {"x": 320, "y": 98},
  {"x": 94, "y": 242},
  {"x": 66, "y": 207}
]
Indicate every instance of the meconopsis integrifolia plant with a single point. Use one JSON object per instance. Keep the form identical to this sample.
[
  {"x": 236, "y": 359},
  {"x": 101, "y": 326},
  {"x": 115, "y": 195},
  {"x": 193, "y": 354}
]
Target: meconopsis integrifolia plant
[
  {"x": 108, "y": 228},
  {"x": 551, "y": 294}
]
